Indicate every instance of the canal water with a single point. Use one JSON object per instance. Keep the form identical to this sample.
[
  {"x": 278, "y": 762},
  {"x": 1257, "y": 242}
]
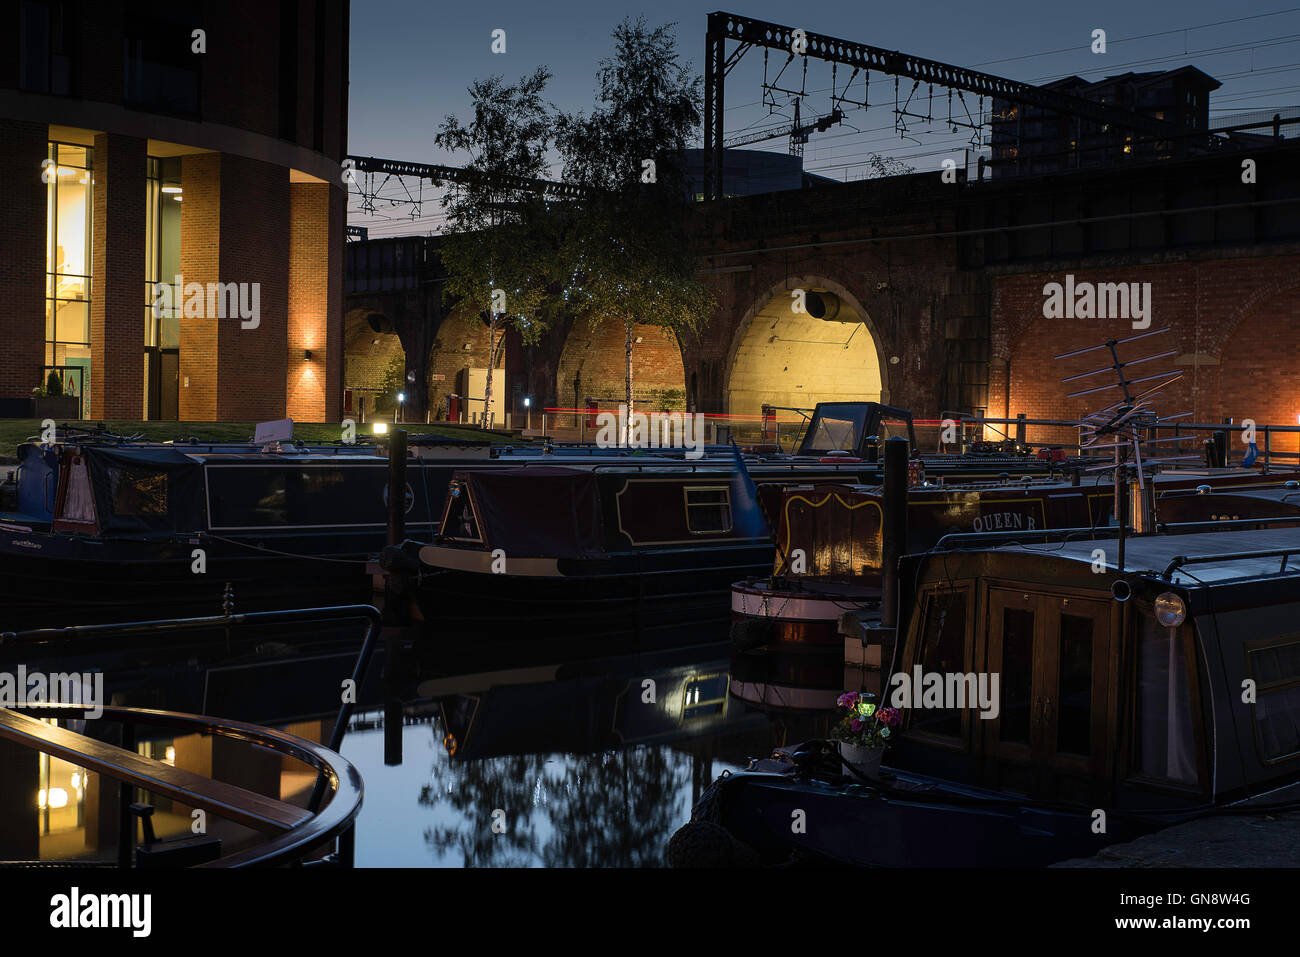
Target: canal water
[{"x": 474, "y": 752}]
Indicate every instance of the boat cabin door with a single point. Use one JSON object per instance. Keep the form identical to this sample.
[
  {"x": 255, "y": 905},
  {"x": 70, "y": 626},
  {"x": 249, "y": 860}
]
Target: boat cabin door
[{"x": 1052, "y": 657}]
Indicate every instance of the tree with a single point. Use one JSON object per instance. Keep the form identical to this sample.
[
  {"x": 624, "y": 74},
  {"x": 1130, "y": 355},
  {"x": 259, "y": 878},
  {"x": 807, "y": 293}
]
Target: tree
[
  {"x": 628, "y": 255},
  {"x": 500, "y": 253}
]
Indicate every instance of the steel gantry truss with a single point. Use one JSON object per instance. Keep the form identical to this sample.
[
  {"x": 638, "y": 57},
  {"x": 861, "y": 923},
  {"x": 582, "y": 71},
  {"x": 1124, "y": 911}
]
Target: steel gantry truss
[
  {"x": 746, "y": 32},
  {"x": 369, "y": 167}
]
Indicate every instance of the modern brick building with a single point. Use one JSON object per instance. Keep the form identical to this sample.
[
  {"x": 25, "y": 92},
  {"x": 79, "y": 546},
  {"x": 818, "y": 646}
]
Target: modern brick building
[{"x": 145, "y": 141}]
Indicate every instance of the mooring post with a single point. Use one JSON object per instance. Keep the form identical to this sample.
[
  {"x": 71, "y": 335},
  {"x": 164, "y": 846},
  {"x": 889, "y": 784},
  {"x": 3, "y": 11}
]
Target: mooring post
[
  {"x": 894, "y": 530},
  {"x": 397, "y": 488}
]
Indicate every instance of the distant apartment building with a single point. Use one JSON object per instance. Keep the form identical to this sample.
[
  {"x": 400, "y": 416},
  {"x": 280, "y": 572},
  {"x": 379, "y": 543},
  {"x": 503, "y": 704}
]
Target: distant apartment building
[
  {"x": 1028, "y": 140},
  {"x": 144, "y": 141}
]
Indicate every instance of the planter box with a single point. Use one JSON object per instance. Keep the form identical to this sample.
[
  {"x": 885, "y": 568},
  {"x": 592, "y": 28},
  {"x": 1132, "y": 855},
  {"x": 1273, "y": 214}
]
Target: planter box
[{"x": 64, "y": 407}]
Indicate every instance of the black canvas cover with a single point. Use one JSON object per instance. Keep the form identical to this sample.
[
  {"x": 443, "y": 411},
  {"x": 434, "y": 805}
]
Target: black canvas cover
[
  {"x": 545, "y": 512},
  {"x": 146, "y": 490}
]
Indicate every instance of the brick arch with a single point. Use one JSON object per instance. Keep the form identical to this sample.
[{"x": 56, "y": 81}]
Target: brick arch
[
  {"x": 596, "y": 354},
  {"x": 1265, "y": 293},
  {"x": 1258, "y": 361},
  {"x": 783, "y": 286}
]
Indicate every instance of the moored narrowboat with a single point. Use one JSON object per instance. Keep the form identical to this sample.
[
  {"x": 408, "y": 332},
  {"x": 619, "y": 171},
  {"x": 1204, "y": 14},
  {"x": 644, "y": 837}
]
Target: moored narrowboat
[{"x": 1127, "y": 699}]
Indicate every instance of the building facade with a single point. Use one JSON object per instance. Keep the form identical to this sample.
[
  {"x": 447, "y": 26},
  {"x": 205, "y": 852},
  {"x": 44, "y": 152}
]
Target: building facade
[{"x": 172, "y": 232}]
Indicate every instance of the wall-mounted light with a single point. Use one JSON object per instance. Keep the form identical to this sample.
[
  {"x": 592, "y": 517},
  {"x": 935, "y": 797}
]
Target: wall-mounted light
[
  {"x": 381, "y": 428},
  {"x": 466, "y": 347},
  {"x": 307, "y": 354},
  {"x": 172, "y": 189}
]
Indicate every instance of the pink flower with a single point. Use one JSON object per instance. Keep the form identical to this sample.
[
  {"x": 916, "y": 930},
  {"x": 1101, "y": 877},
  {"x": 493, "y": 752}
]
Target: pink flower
[
  {"x": 847, "y": 700},
  {"x": 856, "y": 724}
]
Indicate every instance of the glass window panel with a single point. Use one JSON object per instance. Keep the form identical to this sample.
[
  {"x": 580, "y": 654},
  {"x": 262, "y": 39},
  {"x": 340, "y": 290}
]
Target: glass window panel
[
  {"x": 1017, "y": 683},
  {"x": 1278, "y": 663},
  {"x": 137, "y": 491},
  {"x": 1166, "y": 748},
  {"x": 1074, "y": 686},
  {"x": 708, "y": 510},
  {"x": 944, "y": 652},
  {"x": 1277, "y": 720},
  {"x": 72, "y": 155},
  {"x": 72, "y": 322},
  {"x": 1277, "y": 709},
  {"x": 70, "y": 250}
]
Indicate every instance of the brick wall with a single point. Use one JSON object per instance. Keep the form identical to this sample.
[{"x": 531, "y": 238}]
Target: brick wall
[
  {"x": 22, "y": 257},
  {"x": 309, "y": 247},
  {"x": 252, "y": 363},
  {"x": 200, "y": 262},
  {"x": 597, "y": 357},
  {"x": 118, "y": 295},
  {"x": 1233, "y": 327}
]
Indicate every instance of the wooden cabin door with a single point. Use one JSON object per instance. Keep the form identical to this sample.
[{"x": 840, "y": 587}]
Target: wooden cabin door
[
  {"x": 1010, "y": 738},
  {"x": 1070, "y": 761},
  {"x": 1051, "y": 656}
]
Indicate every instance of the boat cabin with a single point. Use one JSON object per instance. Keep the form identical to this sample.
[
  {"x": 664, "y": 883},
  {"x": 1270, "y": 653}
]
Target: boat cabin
[{"x": 1173, "y": 683}]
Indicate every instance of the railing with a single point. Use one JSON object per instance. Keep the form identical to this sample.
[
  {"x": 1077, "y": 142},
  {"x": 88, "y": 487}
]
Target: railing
[
  {"x": 334, "y": 773},
  {"x": 1022, "y": 422},
  {"x": 297, "y": 832}
]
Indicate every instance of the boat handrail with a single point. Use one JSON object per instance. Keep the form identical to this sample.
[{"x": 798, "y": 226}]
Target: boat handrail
[
  {"x": 1228, "y": 523},
  {"x": 297, "y": 830},
  {"x": 1181, "y": 561},
  {"x": 1015, "y": 535}
]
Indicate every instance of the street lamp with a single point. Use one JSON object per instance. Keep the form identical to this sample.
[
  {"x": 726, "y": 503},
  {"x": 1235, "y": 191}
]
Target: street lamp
[
  {"x": 528, "y": 412},
  {"x": 401, "y": 397}
]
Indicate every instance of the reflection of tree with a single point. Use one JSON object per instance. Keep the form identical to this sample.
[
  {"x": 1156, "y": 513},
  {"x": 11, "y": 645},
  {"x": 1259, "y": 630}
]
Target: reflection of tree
[
  {"x": 609, "y": 809},
  {"x": 616, "y": 808},
  {"x": 474, "y": 790}
]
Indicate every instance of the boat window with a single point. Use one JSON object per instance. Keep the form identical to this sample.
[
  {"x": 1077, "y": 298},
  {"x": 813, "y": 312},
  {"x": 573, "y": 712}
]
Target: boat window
[
  {"x": 137, "y": 491},
  {"x": 708, "y": 509},
  {"x": 459, "y": 523},
  {"x": 944, "y": 652},
  {"x": 835, "y": 428},
  {"x": 1276, "y": 671},
  {"x": 1017, "y": 680},
  {"x": 1074, "y": 686},
  {"x": 1165, "y": 747},
  {"x": 79, "y": 506},
  {"x": 893, "y": 429}
]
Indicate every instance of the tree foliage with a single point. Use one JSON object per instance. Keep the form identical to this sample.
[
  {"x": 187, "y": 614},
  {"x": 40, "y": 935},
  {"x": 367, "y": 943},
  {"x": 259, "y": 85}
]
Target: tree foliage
[
  {"x": 627, "y": 254},
  {"x": 500, "y": 252}
]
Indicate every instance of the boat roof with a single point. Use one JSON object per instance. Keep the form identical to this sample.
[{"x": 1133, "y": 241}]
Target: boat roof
[{"x": 1215, "y": 556}]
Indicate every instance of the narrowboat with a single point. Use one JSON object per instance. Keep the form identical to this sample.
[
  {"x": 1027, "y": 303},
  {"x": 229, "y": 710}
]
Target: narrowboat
[
  {"x": 1129, "y": 699},
  {"x": 829, "y": 537},
  {"x": 93, "y": 529}
]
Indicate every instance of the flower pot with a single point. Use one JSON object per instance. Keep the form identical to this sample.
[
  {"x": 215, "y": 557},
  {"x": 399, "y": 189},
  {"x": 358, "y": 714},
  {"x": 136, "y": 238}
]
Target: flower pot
[{"x": 861, "y": 758}]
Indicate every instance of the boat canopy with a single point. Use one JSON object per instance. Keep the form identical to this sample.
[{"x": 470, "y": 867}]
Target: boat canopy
[
  {"x": 145, "y": 490},
  {"x": 545, "y": 511}
]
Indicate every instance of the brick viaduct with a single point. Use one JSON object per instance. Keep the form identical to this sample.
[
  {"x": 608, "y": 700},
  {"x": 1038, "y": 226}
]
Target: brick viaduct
[{"x": 947, "y": 280}]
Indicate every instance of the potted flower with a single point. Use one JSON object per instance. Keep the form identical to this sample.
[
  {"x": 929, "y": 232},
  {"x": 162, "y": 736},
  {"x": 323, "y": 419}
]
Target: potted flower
[{"x": 864, "y": 731}]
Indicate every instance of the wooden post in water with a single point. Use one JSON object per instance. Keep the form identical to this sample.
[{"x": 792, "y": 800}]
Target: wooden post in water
[
  {"x": 397, "y": 487},
  {"x": 894, "y": 530}
]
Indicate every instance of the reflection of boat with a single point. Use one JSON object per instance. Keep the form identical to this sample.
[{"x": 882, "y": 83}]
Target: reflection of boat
[
  {"x": 1119, "y": 692},
  {"x": 580, "y": 709},
  {"x": 829, "y": 537}
]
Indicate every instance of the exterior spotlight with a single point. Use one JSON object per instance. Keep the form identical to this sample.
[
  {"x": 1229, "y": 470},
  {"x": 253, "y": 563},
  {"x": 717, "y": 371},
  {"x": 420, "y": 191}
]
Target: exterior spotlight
[
  {"x": 307, "y": 355},
  {"x": 381, "y": 428}
]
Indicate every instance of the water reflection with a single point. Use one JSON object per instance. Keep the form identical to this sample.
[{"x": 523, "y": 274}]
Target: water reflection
[{"x": 556, "y": 762}]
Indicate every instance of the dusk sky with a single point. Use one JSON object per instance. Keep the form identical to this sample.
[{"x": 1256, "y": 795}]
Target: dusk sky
[{"x": 411, "y": 62}]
